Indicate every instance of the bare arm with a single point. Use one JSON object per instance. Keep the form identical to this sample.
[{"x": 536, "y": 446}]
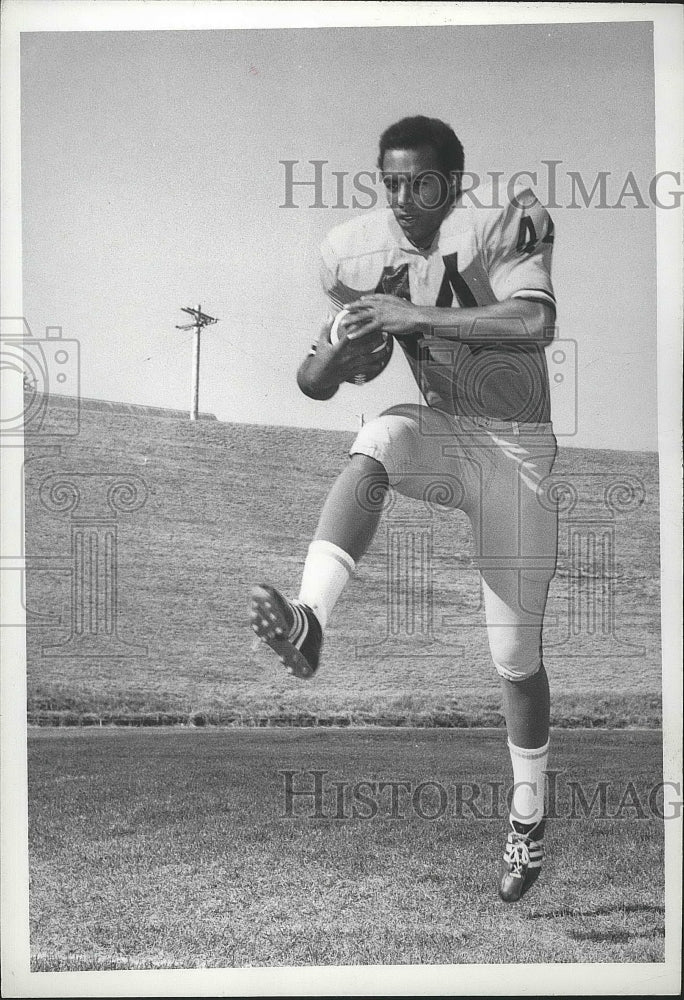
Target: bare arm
[
  {"x": 313, "y": 380},
  {"x": 513, "y": 321},
  {"x": 320, "y": 375}
]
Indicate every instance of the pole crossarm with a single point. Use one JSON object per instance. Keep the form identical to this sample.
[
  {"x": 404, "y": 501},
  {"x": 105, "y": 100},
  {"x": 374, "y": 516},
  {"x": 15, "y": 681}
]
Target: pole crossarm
[{"x": 202, "y": 318}]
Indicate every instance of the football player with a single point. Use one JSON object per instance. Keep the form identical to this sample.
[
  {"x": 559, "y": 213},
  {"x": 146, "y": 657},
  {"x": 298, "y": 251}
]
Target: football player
[{"x": 466, "y": 291}]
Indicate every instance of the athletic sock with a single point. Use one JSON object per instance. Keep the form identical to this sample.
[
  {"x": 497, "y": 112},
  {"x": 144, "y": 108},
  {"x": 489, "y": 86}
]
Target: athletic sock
[
  {"x": 326, "y": 571},
  {"x": 529, "y": 765}
]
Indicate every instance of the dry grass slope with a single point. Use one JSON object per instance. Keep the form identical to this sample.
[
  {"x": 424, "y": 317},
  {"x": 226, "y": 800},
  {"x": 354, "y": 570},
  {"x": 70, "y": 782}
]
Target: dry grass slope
[{"x": 230, "y": 504}]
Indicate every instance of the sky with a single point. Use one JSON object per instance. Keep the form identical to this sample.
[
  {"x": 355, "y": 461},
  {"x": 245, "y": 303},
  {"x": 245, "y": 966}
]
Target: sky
[{"x": 152, "y": 178}]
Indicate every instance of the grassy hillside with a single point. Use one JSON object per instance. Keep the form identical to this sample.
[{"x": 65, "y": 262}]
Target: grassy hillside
[{"x": 224, "y": 505}]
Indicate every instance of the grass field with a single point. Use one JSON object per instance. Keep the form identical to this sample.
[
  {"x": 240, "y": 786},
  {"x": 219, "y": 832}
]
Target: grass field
[
  {"x": 171, "y": 848},
  {"x": 228, "y": 504}
]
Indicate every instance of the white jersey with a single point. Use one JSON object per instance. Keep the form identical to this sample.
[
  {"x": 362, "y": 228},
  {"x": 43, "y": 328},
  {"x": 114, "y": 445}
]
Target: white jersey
[{"x": 479, "y": 256}]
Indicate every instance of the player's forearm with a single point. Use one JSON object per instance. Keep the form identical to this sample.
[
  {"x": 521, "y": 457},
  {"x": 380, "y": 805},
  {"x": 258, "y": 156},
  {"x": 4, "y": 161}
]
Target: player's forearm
[
  {"x": 313, "y": 381},
  {"x": 511, "y": 321}
]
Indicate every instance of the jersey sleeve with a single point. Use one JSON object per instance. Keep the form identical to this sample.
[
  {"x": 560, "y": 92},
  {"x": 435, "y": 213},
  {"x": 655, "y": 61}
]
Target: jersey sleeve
[
  {"x": 517, "y": 251},
  {"x": 327, "y": 272}
]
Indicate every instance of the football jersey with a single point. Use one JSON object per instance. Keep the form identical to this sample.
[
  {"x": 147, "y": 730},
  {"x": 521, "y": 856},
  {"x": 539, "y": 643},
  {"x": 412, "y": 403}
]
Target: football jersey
[{"x": 478, "y": 256}]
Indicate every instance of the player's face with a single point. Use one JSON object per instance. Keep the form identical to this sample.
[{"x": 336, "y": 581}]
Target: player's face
[{"x": 418, "y": 193}]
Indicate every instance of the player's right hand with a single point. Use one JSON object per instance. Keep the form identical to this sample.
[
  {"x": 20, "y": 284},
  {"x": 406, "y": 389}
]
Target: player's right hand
[{"x": 333, "y": 364}]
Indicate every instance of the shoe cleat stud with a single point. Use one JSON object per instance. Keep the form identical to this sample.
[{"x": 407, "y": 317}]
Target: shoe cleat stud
[{"x": 281, "y": 627}]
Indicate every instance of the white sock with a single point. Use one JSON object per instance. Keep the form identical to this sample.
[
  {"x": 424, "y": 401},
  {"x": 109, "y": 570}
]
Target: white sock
[
  {"x": 326, "y": 571},
  {"x": 530, "y": 782}
]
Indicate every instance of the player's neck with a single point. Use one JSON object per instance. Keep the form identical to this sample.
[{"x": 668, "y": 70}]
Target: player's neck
[{"x": 425, "y": 244}]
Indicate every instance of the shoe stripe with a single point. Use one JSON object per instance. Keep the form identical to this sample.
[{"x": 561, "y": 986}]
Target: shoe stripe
[
  {"x": 300, "y": 629},
  {"x": 531, "y": 844},
  {"x": 536, "y": 850},
  {"x": 296, "y": 629}
]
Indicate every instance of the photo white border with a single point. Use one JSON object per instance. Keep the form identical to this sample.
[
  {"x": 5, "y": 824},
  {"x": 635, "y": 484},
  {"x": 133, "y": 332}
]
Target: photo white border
[{"x": 494, "y": 980}]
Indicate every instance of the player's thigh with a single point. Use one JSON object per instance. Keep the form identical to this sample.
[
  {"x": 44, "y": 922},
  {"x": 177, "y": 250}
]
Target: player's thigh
[
  {"x": 514, "y": 519},
  {"x": 516, "y": 534},
  {"x": 408, "y": 440}
]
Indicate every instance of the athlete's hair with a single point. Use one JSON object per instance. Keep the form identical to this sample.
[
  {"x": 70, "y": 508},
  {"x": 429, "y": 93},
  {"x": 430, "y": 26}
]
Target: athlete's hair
[{"x": 411, "y": 133}]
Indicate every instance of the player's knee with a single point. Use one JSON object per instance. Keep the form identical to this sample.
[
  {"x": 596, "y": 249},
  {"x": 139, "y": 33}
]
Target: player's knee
[
  {"x": 385, "y": 439},
  {"x": 368, "y": 466},
  {"x": 515, "y": 658},
  {"x": 381, "y": 430}
]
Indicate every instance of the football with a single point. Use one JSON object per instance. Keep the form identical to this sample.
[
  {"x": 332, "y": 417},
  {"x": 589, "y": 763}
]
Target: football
[{"x": 374, "y": 350}]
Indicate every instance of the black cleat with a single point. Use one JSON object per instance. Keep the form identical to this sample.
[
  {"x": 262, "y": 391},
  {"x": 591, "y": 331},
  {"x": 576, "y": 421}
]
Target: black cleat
[
  {"x": 290, "y": 628},
  {"x": 522, "y": 860}
]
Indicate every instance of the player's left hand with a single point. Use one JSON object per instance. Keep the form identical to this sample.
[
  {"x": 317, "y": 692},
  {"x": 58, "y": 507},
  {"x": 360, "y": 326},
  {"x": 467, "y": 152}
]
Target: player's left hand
[{"x": 383, "y": 313}]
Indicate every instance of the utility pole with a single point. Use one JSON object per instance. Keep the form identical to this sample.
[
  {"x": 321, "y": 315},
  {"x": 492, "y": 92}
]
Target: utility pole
[{"x": 200, "y": 320}]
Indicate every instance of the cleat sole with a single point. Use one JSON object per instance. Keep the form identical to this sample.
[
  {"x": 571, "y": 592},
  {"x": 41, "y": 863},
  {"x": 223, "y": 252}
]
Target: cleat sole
[{"x": 292, "y": 659}]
